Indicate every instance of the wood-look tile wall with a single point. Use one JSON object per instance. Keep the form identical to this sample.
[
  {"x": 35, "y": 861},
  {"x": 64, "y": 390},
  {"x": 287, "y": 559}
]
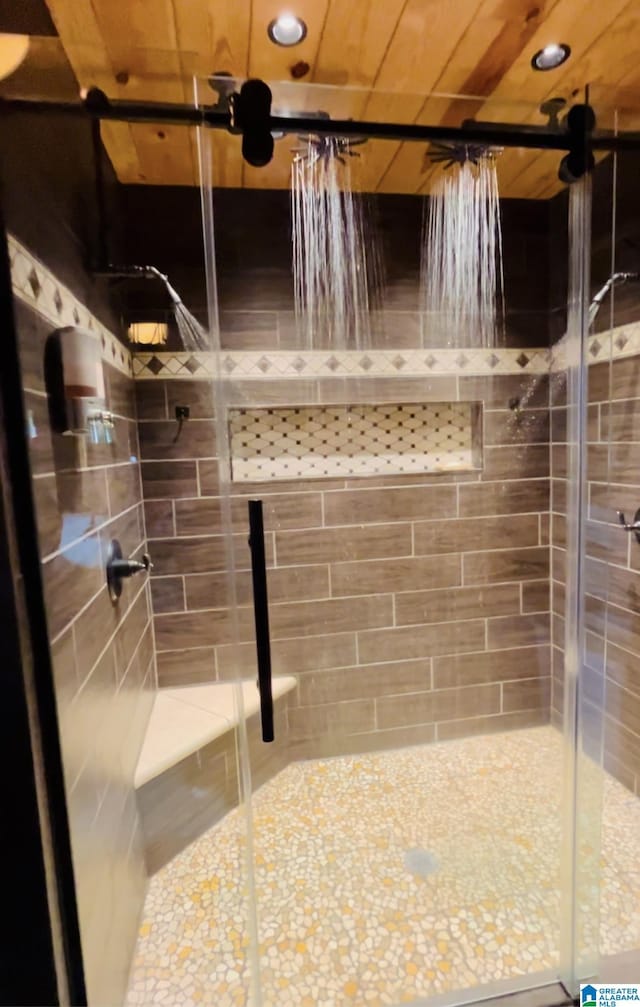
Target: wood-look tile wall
[
  {"x": 557, "y": 534},
  {"x": 408, "y": 607},
  {"x": 612, "y": 567},
  {"x": 103, "y": 655}
]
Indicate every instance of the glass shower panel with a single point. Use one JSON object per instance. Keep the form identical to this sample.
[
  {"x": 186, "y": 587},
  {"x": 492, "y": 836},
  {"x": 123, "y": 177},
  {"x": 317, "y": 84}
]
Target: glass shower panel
[
  {"x": 406, "y": 827},
  {"x": 147, "y": 732},
  {"x": 612, "y": 563},
  {"x": 576, "y": 654}
]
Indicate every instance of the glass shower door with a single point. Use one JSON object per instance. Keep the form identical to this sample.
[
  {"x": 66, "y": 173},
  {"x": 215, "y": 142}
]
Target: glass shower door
[
  {"x": 612, "y": 558},
  {"x": 405, "y": 827}
]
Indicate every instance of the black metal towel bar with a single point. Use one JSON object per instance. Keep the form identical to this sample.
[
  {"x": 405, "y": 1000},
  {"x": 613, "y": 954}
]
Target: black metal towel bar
[{"x": 261, "y": 614}]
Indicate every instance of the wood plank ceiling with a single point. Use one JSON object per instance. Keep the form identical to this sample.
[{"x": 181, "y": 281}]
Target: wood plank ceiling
[{"x": 380, "y": 57}]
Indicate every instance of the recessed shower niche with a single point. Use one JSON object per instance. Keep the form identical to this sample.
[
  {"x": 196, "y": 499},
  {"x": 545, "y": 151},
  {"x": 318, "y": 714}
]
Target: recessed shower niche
[{"x": 321, "y": 441}]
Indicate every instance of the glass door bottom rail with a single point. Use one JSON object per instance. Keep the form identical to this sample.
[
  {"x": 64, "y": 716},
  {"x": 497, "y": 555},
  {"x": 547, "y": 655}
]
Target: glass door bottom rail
[{"x": 384, "y": 879}]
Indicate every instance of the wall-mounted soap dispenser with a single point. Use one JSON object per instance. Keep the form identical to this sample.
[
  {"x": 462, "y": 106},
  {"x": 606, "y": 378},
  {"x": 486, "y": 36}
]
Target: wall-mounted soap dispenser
[
  {"x": 83, "y": 377},
  {"x": 75, "y": 383}
]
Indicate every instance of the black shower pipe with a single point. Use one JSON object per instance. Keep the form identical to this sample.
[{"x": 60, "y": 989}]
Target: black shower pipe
[
  {"x": 101, "y": 201},
  {"x": 98, "y": 106}
]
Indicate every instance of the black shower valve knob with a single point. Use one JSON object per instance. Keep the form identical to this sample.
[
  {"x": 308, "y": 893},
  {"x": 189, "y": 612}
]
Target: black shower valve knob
[
  {"x": 127, "y": 567},
  {"x": 119, "y": 568}
]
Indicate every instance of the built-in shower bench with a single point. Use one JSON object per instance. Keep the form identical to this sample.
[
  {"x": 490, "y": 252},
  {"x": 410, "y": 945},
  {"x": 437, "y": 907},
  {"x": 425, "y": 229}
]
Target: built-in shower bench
[{"x": 186, "y": 778}]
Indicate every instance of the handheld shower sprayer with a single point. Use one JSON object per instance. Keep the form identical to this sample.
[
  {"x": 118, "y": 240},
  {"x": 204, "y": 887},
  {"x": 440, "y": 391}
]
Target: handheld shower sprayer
[
  {"x": 614, "y": 279},
  {"x": 141, "y": 273},
  {"x": 173, "y": 294},
  {"x": 192, "y": 333},
  {"x": 131, "y": 273},
  {"x": 152, "y": 273}
]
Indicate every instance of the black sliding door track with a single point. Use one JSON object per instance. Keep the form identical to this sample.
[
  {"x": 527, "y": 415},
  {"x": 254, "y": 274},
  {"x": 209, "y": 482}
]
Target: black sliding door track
[{"x": 495, "y": 134}]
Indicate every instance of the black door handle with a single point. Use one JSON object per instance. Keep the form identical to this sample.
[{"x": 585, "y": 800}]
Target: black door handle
[{"x": 261, "y": 614}]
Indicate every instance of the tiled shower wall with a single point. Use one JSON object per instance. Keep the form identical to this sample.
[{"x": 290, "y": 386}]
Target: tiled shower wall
[
  {"x": 380, "y": 586},
  {"x": 611, "y": 695},
  {"x": 85, "y": 495},
  {"x": 613, "y": 561},
  {"x": 409, "y": 607},
  {"x": 558, "y": 534}
]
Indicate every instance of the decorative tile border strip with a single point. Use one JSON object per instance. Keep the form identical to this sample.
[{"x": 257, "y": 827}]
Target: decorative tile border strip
[
  {"x": 37, "y": 286},
  {"x": 173, "y": 365},
  {"x": 623, "y": 341},
  {"x": 352, "y": 363}
]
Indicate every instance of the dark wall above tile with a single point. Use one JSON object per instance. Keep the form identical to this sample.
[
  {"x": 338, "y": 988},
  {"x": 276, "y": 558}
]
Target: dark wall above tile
[
  {"x": 614, "y": 184},
  {"x": 29, "y": 17},
  {"x": 49, "y": 196}
]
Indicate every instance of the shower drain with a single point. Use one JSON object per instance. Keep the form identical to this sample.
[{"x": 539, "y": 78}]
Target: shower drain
[{"x": 421, "y": 862}]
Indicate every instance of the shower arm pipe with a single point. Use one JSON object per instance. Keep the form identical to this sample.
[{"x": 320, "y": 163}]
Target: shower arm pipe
[
  {"x": 101, "y": 201},
  {"x": 494, "y": 134},
  {"x": 611, "y": 282},
  {"x": 118, "y": 272}
]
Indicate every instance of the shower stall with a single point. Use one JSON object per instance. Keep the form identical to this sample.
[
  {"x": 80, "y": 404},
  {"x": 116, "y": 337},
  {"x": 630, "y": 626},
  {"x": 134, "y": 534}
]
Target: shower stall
[{"x": 412, "y": 539}]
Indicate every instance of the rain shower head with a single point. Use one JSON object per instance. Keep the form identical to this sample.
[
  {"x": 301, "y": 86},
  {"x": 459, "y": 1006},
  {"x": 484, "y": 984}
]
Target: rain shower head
[
  {"x": 327, "y": 148},
  {"x": 614, "y": 279},
  {"x": 448, "y": 154}
]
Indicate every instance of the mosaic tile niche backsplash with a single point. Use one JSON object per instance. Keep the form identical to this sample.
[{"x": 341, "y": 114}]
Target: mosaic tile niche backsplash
[{"x": 335, "y": 440}]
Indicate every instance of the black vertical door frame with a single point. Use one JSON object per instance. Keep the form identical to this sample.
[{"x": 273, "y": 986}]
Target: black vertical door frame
[{"x": 28, "y": 973}]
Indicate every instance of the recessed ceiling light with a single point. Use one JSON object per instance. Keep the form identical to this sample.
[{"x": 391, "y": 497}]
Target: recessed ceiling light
[
  {"x": 287, "y": 30},
  {"x": 551, "y": 56},
  {"x": 13, "y": 50}
]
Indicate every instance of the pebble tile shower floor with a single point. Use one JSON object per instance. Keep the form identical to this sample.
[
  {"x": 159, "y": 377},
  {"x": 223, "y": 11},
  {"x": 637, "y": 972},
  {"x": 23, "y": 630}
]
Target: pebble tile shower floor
[{"x": 383, "y": 879}]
